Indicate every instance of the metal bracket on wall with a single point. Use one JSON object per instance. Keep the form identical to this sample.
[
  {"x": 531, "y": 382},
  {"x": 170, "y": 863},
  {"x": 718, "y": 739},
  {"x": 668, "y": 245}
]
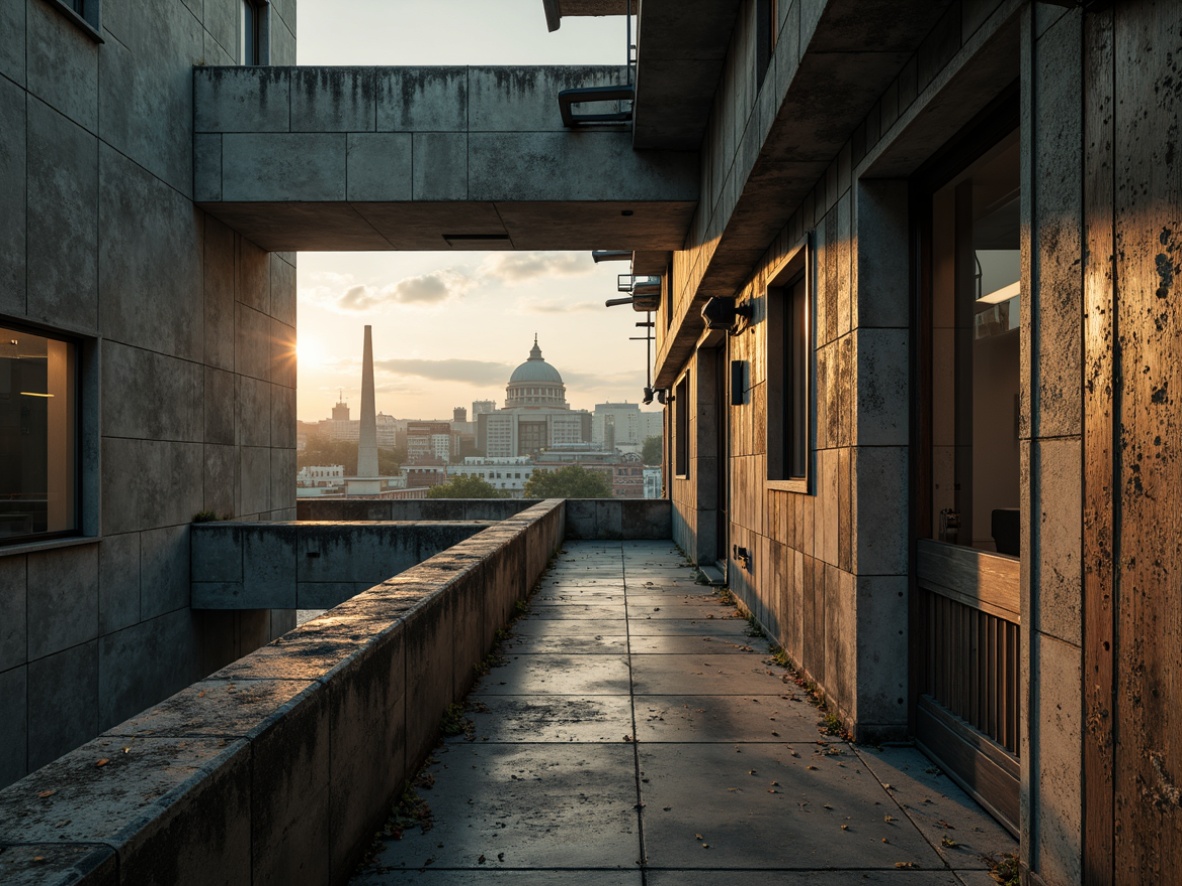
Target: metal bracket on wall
[{"x": 568, "y": 98}]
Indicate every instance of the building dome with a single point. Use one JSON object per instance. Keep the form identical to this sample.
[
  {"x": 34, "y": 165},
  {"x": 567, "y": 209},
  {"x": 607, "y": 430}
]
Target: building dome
[{"x": 535, "y": 384}]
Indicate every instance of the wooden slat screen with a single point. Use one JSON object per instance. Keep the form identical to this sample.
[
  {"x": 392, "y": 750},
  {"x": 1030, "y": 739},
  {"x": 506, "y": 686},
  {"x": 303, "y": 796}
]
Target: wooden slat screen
[{"x": 972, "y": 666}]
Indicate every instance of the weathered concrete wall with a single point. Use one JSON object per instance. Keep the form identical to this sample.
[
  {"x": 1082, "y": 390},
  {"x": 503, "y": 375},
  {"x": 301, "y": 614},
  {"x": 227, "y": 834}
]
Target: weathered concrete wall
[
  {"x": 585, "y": 517},
  {"x": 830, "y": 571},
  {"x": 413, "y": 509},
  {"x": 635, "y": 518},
  {"x": 188, "y": 385},
  {"x": 829, "y": 574},
  {"x": 280, "y": 767},
  {"x": 308, "y": 565},
  {"x": 397, "y": 158},
  {"x": 694, "y": 495},
  {"x": 1051, "y": 445}
]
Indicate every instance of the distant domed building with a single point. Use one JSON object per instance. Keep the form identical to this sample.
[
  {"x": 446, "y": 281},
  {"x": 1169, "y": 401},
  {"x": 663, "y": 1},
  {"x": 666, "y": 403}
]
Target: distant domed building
[
  {"x": 536, "y": 416},
  {"x": 535, "y": 384}
]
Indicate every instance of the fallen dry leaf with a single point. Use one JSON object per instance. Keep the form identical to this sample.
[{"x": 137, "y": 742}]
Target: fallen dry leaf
[
  {"x": 103, "y": 762},
  {"x": 49, "y": 793}
]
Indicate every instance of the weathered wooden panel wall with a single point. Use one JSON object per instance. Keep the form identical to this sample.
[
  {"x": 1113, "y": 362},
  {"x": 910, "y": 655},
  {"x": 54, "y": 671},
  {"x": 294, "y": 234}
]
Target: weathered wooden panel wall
[{"x": 1133, "y": 650}]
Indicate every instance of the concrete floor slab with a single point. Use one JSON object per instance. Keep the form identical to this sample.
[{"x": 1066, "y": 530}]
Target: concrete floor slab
[
  {"x": 652, "y": 608},
  {"x": 706, "y": 675},
  {"x": 545, "y": 788},
  {"x": 700, "y": 644},
  {"x": 558, "y": 675},
  {"x": 575, "y": 627},
  {"x": 942, "y": 811},
  {"x": 550, "y": 718},
  {"x": 591, "y": 594},
  {"x": 802, "y": 878},
  {"x": 725, "y": 718},
  {"x": 690, "y": 627},
  {"x": 580, "y": 642},
  {"x": 522, "y": 806},
  {"x": 482, "y": 876},
  {"x": 670, "y": 597},
  {"x": 572, "y": 610},
  {"x": 772, "y": 806}
]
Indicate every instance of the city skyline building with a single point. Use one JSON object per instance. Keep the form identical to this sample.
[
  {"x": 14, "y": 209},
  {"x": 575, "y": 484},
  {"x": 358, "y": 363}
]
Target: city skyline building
[{"x": 536, "y": 416}]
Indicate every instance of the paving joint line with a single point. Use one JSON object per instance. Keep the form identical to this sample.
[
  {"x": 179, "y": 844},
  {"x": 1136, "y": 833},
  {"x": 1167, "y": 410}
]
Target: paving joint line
[{"x": 642, "y": 859}]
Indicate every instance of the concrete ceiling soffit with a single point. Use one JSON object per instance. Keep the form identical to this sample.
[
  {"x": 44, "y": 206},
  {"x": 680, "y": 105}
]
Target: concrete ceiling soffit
[
  {"x": 682, "y": 47},
  {"x": 556, "y": 9},
  {"x": 854, "y": 51},
  {"x": 423, "y": 226},
  {"x": 857, "y": 48}
]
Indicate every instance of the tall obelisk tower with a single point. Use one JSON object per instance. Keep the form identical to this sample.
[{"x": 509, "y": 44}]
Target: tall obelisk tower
[{"x": 367, "y": 443}]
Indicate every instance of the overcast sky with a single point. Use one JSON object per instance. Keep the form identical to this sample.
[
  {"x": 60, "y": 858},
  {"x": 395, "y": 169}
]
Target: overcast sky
[{"x": 449, "y": 327}]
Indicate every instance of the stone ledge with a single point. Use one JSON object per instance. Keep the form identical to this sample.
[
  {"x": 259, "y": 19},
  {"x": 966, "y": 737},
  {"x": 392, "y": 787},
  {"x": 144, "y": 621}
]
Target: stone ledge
[{"x": 281, "y": 766}]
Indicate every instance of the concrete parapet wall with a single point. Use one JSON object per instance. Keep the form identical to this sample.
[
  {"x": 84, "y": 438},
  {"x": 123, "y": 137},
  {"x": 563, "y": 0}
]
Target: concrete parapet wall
[
  {"x": 412, "y": 509},
  {"x": 308, "y": 565},
  {"x": 636, "y": 518},
  {"x": 280, "y": 767}
]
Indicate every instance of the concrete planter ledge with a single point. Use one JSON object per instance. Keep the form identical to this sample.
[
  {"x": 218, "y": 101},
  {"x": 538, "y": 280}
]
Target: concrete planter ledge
[{"x": 280, "y": 767}]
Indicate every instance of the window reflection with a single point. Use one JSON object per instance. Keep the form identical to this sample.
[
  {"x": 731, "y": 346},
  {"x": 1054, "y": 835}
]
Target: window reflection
[
  {"x": 976, "y": 298},
  {"x": 38, "y": 473}
]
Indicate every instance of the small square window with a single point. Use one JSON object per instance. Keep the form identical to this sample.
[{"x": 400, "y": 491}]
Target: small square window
[
  {"x": 790, "y": 402},
  {"x": 39, "y": 428}
]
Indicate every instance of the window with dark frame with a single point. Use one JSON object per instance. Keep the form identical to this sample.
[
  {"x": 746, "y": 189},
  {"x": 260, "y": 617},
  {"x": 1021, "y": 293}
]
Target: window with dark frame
[
  {"x": 253, "y": 33},
  {"x": 790, "y": 370},
  {"x": 39, "y": 427},
  {"x": 974, "y": 365},
  {"x": 766, "y": 26},
  {"x": 681, "y": 408},
  {"x": 84, "y": 13}
]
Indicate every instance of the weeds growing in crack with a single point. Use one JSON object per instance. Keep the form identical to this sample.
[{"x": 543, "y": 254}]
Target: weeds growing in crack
[
  {"x": 455, "y": 723},
  {"x": 1006, "y": 869},
  {"x": 830, "y": 724}
]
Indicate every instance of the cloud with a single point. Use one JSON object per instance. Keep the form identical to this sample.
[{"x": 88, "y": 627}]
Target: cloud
[
  {"x": 343, "y": 293},
  {"x": 480, "y": 372},
  {"x": 580, "y": 381},
  {"x": 557, "y": 306},
  {"x": 429, "y": 288},
  {"x": 521, "y": 267}
]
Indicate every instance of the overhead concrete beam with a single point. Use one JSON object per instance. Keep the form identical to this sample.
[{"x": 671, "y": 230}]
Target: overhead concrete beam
[{"x": 400, "y": 158}]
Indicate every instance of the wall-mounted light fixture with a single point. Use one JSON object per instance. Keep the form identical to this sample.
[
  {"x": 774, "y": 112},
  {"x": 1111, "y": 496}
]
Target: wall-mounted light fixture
[{"x": 724, "y": 313}]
